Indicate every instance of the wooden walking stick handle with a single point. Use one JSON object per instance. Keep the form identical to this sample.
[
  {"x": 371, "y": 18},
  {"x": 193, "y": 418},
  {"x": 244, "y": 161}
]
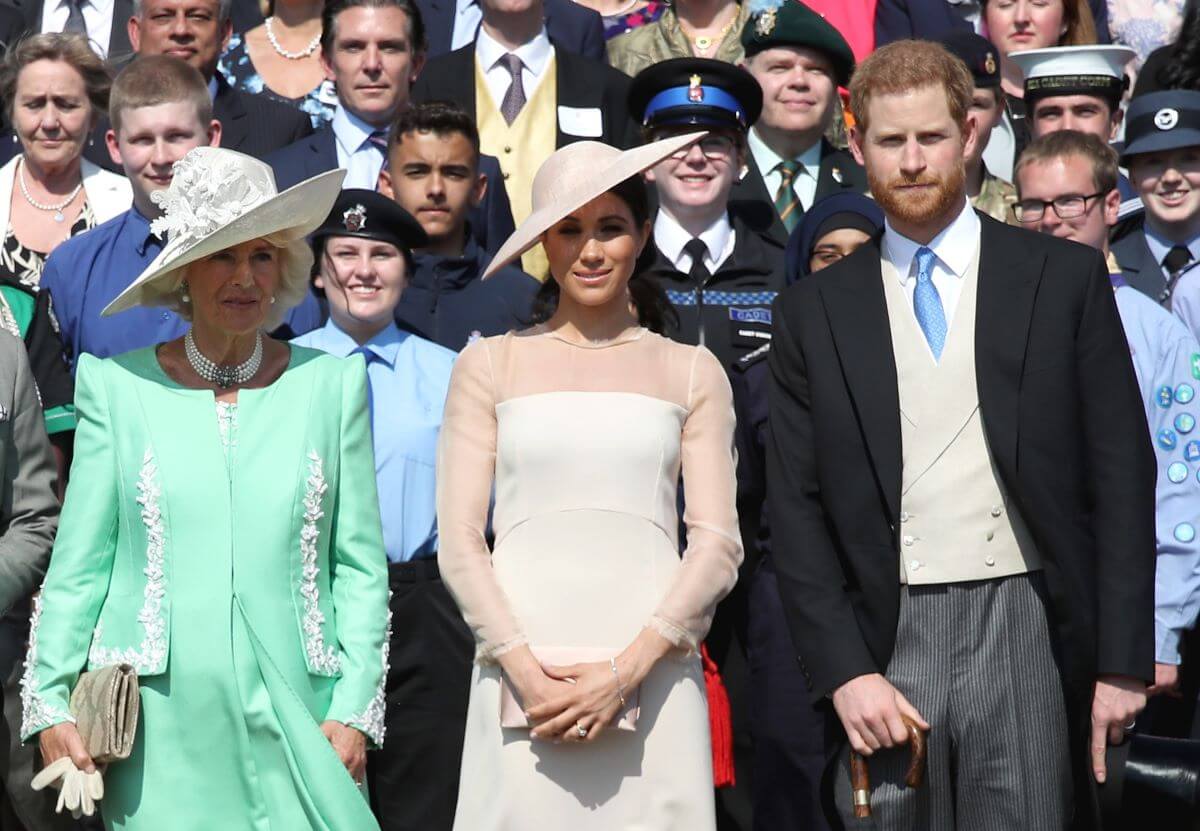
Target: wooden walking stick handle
[{"x": 860, "y": 776}]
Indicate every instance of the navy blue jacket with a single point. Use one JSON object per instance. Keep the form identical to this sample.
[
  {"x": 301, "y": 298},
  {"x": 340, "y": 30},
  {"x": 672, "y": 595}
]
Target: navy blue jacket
[
  {"x": 934, "y": 20},
  {"x": 317, "y": 153},
  {"x": 573, "y": 27},
  {"x": 446, "y": 302}
]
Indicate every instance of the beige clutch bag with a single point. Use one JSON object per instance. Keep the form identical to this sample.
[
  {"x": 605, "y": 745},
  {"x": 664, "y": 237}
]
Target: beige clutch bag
[
  {"x": 512, "y": 714},
  {"x": 105, "y": 705}
]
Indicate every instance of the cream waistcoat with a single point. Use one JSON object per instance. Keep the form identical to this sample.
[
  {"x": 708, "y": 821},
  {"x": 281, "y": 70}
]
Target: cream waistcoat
[
  {"x": 956, "y": 522},
  {"x": 521, "y": 147}
]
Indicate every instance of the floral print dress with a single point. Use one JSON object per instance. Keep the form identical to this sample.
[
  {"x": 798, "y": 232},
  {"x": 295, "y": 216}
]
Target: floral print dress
[
  {"x": 24, "y": 264},
  {"x": 235, "y": 64}
]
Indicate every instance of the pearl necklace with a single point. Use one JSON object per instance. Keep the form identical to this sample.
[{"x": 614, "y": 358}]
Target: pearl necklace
[
  {"x": 223, "y": 376},
  {"x": 291, "y": 56},
  {"x": 58, "y": 209}
]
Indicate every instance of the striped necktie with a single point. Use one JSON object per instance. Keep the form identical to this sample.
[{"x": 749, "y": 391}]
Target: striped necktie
[
  {"x": 787, "y": 203},
  {"x": 514, "y": 99},
  {"x": 75, "y": 23}
]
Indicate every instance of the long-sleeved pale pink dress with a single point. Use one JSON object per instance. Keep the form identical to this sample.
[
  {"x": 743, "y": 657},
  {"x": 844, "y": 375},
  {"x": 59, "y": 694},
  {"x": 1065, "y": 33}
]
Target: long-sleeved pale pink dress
[{"x": 585, "y": 444}]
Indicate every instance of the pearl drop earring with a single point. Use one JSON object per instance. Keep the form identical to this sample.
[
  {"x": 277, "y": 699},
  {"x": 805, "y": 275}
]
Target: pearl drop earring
[{"x": 183, "y": 293}]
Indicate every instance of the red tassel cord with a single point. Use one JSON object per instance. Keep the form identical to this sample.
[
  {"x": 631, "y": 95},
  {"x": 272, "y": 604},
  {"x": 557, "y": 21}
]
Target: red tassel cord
[{"x": 720, "y": 722}]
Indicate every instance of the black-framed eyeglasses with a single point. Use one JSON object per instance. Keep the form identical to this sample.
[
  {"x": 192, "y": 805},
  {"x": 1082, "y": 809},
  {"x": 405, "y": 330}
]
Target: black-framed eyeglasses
[
  {"x": 713, "y": 146},
  {"x": 1070, "y": 206}
]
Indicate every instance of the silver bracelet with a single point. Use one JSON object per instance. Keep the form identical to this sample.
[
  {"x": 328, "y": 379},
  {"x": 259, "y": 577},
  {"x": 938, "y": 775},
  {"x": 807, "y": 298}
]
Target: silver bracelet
[{"x": 612, "y": 664}]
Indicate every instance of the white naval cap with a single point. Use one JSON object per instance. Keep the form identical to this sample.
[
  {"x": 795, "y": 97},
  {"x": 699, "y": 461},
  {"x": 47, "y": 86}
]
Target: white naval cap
[{"x": 1074, "y": 70}]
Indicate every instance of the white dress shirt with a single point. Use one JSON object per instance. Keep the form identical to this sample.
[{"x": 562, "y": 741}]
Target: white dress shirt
[
  {"x": 670, "y": 237},
  {"x": 1160, "y": 247},
  {"x": 953, "y": 250},
  {"x": 768, "y": 161},
  {"x": 467, "y": 17},
  {"x": 97, "y": 18},
  {"x": 535, "y": 58},
  {"x": 355, "y": 152}
]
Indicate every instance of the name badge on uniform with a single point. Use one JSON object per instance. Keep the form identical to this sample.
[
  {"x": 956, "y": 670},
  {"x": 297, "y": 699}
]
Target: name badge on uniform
[
  {"x": 581, "y": 121},
  {"x": 750, "y": 315}
]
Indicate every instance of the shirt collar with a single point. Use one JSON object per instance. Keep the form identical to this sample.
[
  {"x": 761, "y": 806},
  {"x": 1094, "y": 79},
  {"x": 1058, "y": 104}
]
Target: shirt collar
[
  {"x": 535, "y": 54},
  {"x": 98, "y": 5},
  {"x": 212, "y": 87},
  {"x": 954, "y": 246},
  {"x": 386, "y": 344},
  {"x": 670, "y": 237},
  {"x": 767, "y": 159},
  {"x": 465, "y": 5},
  {"x": 139, "y": 225},
  {"x": 1159, "y": 246},
  {"x": 350, "y": 131}
]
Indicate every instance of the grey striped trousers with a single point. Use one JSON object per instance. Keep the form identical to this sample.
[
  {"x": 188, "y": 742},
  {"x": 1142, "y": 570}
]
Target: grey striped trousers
[{"x": 975, "y": 659}]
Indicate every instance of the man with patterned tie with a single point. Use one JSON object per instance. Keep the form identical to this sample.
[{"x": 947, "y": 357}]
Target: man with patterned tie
[
  {"x": 719, "y": 272},
  {"x": 961, "y": 541},
  {"x": 800, "y": 60}
]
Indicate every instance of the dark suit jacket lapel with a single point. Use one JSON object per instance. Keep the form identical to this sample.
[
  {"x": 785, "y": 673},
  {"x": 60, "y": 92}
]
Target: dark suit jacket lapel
[
  {"x": 1009, "y": 276},
  {"x": 440, "y": 23},
  {"x": 838, "y": 172},
  {"x": 32, "y": 11},
  {"x": 323, "y": 144},
  {"x": 118, "y": 41},
  {"x": 230, "y": 110},
  {"x": 456, "y": 80},
  {"x": 858, "y": 318},
  {"x": 756, "y": 205},
  {"x": 578, "y": 86}
]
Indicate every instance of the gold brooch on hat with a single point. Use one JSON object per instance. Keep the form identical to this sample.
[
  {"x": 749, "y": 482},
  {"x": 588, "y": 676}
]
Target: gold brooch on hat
[
  {"x": 695, "y": 91},
  {"x": 355, "y": 218},
  {"x": 765, "y": 23}
]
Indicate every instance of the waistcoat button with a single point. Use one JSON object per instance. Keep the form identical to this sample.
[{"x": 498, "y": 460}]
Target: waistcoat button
[
  {"x": 996, "y": 510},
  {"x": 991, "y": 561},
  {"x": 908, "y": 540}
]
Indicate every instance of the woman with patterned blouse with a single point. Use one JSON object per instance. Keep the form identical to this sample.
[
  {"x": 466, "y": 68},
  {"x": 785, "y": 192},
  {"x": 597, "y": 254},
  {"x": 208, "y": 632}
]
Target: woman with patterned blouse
[
  {"x": 221, "y": 534},
  {"x": 281, "y": 59}
]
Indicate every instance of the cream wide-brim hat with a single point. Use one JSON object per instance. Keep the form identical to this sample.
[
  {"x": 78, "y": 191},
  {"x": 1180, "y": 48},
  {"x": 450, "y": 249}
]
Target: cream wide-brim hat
[
  {"x": 575, "y": 175},
  {"x": 220, "y": 198}
]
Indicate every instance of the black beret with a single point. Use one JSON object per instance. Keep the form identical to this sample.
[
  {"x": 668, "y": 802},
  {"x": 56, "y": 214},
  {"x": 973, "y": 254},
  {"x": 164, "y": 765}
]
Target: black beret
[
  {"x": 978, "y": 54},
  {"x": 791, "y": 23},
  {"x": 695, "y": 91},
  {"x": 370, "y": 215}
]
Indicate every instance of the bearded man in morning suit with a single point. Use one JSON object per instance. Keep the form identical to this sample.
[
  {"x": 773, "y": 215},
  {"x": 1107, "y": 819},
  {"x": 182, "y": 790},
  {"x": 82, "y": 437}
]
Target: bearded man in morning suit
[{"x": 964, "y": 488}]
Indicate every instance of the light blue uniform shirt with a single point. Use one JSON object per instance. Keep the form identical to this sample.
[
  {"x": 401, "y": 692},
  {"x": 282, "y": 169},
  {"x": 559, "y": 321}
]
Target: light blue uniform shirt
[
  {"x": 408, "y": 378},
  {"x": 1166, "y": 358}
]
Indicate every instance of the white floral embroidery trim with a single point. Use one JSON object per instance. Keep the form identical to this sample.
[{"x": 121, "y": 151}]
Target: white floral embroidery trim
[
  {"x": 36, "y": 714},
  {"x": 370, "y": 721},
  {"x": 321, "y": 658},
  {"x": 152, "y": 654}
]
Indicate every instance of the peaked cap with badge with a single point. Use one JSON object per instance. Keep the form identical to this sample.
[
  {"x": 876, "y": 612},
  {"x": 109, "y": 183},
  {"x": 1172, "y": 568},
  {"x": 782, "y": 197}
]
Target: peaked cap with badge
[
  {"x": 695, "y": 92},
  {"x": 791, "y": 23},
  {"x": 370, "y": 215},
  {"x": 1158, "y": 121},
  {"x": 1075, "y": 70}
]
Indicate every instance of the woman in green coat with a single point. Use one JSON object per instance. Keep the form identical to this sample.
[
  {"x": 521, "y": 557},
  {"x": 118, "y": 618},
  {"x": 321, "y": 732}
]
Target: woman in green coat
[{"x": 221, "y": 534}]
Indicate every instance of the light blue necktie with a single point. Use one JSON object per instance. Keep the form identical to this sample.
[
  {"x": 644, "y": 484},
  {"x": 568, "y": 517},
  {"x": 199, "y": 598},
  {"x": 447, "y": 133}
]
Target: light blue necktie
[
  {"x": 371, "y": 357},
  {"x": 927, "y": 304}
]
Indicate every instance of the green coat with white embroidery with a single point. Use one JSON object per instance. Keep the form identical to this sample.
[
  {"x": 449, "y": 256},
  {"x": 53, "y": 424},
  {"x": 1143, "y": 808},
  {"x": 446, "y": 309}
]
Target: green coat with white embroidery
[{"x": 285, "y": 534}]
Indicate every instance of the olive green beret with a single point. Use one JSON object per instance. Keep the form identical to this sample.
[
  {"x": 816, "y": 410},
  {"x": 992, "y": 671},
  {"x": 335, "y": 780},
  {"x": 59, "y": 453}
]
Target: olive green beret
[{"x": 791, "y": 23}]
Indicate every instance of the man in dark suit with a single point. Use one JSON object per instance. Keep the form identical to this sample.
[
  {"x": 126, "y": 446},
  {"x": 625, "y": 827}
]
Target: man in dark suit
[
  {"x": 372, "y": 51},
  {"x": 197, "y": 32},
  {"x": 934, "y": 19},
  {"x": 104, "y": 24},
  {"x": 453, "y": 24},
  {"x": 799, "y": 60},
  {"x": 499, "y": 79},
  {"x": 961, "y": 486}
]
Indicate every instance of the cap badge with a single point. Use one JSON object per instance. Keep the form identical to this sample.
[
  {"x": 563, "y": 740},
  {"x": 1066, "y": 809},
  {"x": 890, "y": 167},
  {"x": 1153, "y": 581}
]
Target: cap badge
[
  {"x": 989, "y": 64},
  {"x": 695, "y": 91},
  {"x": 355, "y": 218},
  {"x": 836, "y": 173},
  {"x": 765, "y": 23},
  {"x": 1166, "y": 118}
]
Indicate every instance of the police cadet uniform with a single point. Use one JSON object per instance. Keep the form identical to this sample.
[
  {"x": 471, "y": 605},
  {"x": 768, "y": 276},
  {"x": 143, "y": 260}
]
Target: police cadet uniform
[
  {"x": 1152, "y": 263},
  {"x": 996, "y": 196},
  {"x": 726, "y": 308},
  {"x": 1096, "y": 71}
]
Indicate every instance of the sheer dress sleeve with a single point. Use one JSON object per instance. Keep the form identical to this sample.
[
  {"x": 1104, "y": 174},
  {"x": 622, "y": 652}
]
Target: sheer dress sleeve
[
  {"x": 714, "y": 546},
  {"x": 466, "y": 466}
]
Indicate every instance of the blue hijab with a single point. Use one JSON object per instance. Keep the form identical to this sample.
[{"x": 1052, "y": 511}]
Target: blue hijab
[{"x": 839, "y": 210}]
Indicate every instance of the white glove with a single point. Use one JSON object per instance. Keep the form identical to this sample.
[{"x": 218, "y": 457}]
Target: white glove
[{"x": 78, "y": 791}]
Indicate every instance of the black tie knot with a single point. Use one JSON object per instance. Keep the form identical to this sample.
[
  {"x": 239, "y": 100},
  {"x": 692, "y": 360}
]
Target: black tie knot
[
  {"x": 696, "y": 248},
  {"x": 1177, "y": 258}
]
